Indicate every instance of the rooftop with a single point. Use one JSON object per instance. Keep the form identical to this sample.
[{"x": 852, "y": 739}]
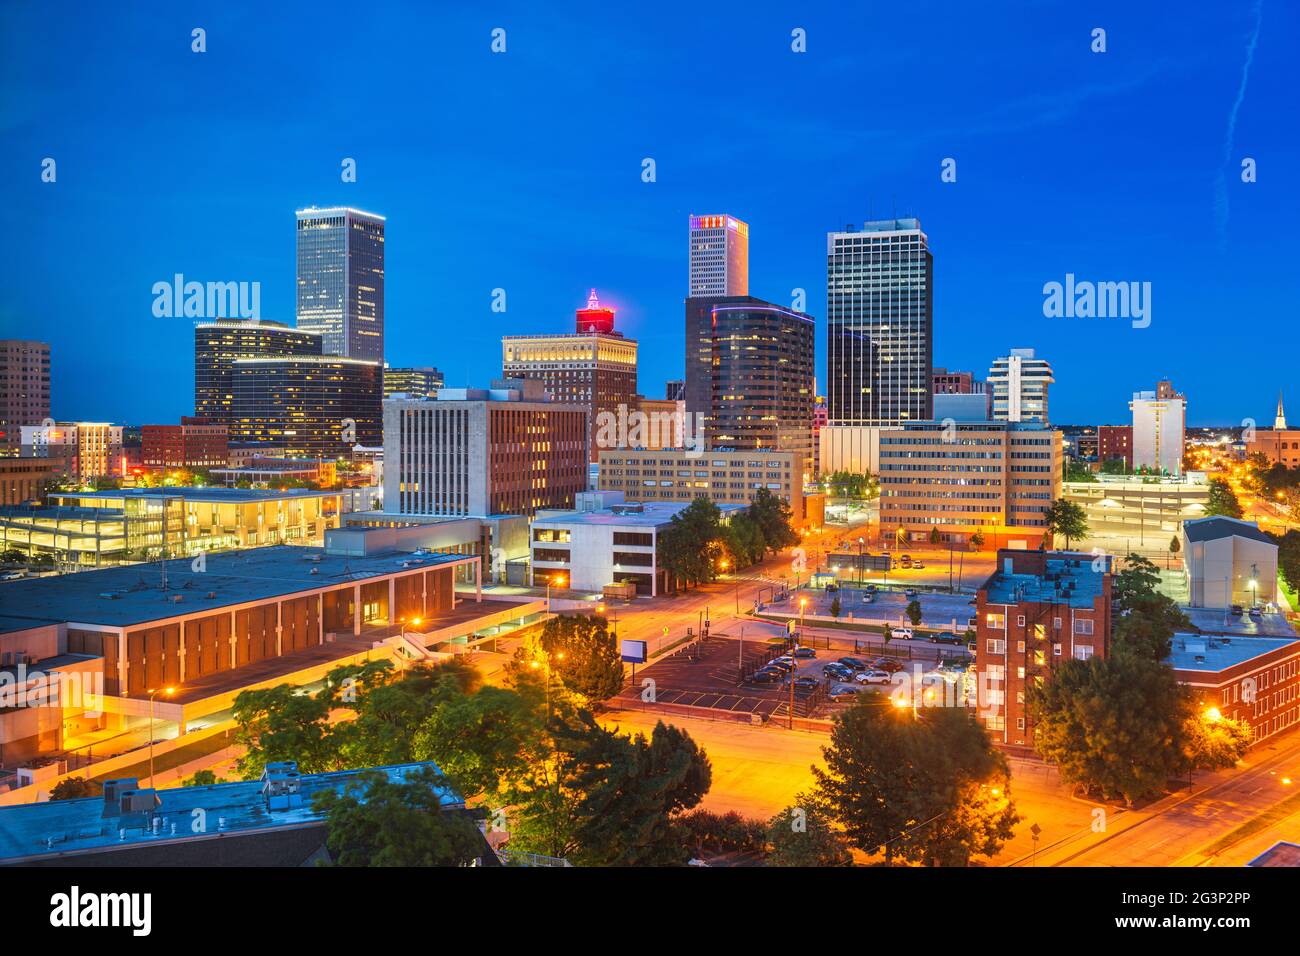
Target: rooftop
[
  {"x": 132, "y": 594},
  {"x": 1217, "y": 652},
  {"x": 1210, "y": 620},
  {"x": 1212, "y": 529},
  {"x": 650, "y": 514},
  {"x": 1068, "y": 580},
  {"x": 86, "y": 824},
  {"x": 1281, "y": 853},
  {"x": 212, "y": 494}
]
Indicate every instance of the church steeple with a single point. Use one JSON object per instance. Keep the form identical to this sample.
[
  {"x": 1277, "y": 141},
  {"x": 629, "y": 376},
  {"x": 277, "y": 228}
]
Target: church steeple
[{"x": 1279, "y": 423}]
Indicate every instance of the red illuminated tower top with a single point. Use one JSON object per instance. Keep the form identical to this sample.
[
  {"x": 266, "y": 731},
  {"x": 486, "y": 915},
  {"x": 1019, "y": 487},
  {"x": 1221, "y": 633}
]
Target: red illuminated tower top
[{"x": 593, "y": 318}]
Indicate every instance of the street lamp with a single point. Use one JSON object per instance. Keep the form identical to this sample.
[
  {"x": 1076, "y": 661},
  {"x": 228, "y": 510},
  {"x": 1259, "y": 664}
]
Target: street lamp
[
  {"x": 558, "y": 581},
  {"x": 861, "y": 542},
  {"x": 166, "y": 692}
]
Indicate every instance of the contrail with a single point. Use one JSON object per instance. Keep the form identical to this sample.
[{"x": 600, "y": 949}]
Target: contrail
[{"x": 1221, "y": 183}]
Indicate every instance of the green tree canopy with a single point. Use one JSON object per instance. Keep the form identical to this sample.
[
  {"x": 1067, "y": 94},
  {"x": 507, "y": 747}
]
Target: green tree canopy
[
  {"x": 773, "y": 517},
  {"x": 1066, "y": 519},
  {"x": 804, "y": 835},
  {"x": 1222, "y": 501}
]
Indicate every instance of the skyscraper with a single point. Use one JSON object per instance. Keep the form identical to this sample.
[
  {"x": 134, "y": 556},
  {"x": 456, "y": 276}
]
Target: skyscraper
[
  {"x": 315, "y": 406},
  {"x": 418, "y": 382},
  {"x": 219, "y": 344},
  {"x": 1019, "y": 382},
  {"x": 1158, "y": 432},
  {"x": 719, "y": 256},
  {"x": 341, "y": 280},
  {"x": 879, "y": 324},
  {"x": 24, "y": 389}
]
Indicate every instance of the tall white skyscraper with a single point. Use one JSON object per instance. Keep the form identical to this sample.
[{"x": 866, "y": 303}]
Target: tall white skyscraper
[
  {"x": 719, "y": 256},
  {"x": 341, "y": 280},
  {"x": 1019, "y": 382},
  {"x": 1158, "y": 432}
]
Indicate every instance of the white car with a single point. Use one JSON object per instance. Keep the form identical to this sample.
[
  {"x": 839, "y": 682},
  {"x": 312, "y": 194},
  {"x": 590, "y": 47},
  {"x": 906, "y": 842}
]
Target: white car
[
  {"x": 872, "y": 677},
  {"x": 900, "y": 633}
]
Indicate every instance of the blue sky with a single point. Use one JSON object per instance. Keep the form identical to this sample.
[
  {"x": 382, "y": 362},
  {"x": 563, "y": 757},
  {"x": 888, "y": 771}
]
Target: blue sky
[{"x": 522, "y": 171}]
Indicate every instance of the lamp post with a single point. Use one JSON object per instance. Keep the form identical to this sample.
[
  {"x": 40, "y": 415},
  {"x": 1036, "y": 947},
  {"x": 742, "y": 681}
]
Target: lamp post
[
  {"x": 558, "y": 581},
  {"x": 166, "y": 692},
  {"x": 794, "y": 670},
  {"x": 861, "y": 542}
]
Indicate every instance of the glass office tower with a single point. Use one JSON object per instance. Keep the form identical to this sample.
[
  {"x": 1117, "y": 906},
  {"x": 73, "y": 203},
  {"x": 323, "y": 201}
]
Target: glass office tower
[
  {"x": 879, "y": 324},
  {"x": 341, "y": 280},
  {"x": 222, "y": 342}
]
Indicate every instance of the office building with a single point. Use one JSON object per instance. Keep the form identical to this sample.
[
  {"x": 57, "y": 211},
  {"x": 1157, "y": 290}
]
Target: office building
[
  {"x": 25, "y": 479},
  {"x": 1255, "y": 679},
  {"x": 24, "y": 389},
  {"x": 341, "y": 280},
  {"x": 594, "y": 368},
  {"x": 194, "y": 443},
  {"x": 952, "y": 382},
  {"x": 879, "y": 324},
  {"x": 1038, "y": 609},
  {"x": 1019, "y": 384},
  {"x": 610, "y": 542},
  {"x": 421, "y": 382},
  {"x": 661, "y": 424},
  {"x": 961, "y": 407},
  {"x": 750, "y": 371},
  {"x": 477, "y": 452},
  {"x": 80, "y": 451},
  {"x": 221, "y": 343},
  {"x": 1158, "y": 431},
  {"x": 1138, "y": 509},
  {"x": 730, "y": 476},
  {"x": 675, "y": 390},
  {"x": 1228, "y": 561},
  {"x": 719, "y": 263},
  {"x": 314, "y": 406},
  {"x": 995, "y": 478}
]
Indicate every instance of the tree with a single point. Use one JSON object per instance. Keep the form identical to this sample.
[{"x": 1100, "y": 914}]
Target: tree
[
  {"x": 74, "y": 788},
  {"x": 1114, "y": 466},
  {"x": 379, "y": 822},
  {"x": 835, "y": 606},
  {"x": 887, "y": 634},
  {"x": 977, "y": 539},
  {"x": 1145, "y": 620},
  {"x": 1066, "y": 519},
  {"x": 803, "y": 835},
  {"x": 687, "y": 546},
  {"x": 931, "y": 790},
  {"x": 481, "y": 741},
  {"x": 742, "y": 539},
  {"x": 1288, "y": 559},
  {"x": 1174, "y": 546},
  {"x": 848, "y": 484},
  {"x": 1222, "y": 500},
  {"x": 283, "y": 723},
  {"x": 1078, "y": 471},
  {"x": 773, "y": 517},
  {"x": 203, "y": 778},
  {"x": 584, "y": 655},
  {"x": 913, "y": 612},
  {"x": 1214, "y": 742},
  {"x": 935, "y": 537}
]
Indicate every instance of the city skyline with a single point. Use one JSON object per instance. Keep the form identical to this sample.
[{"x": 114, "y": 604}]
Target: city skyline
[{"x": 580, "y": 218}]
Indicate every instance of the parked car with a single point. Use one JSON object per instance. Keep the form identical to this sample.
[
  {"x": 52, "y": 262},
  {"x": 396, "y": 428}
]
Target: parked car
[
  {"x": 1256, "y": 613},
  {"x": 871, "y": 589},
  {"x": 945, "y": 637},
  {"x": 918, "y": 565},
  {"x": 868, "y": 597},
  {"x": 904, "y": 562},
  {"x": 901, "y": 633},
  {"x": 838, "y": 672},
  {"x": 841, "y": 694},
  {"x": 784, "y": 663},
  {"x": 804, "y": 652},
  {"x": 1237, "y": 610},
  {"x": 765, "y": 676},
  {"x": 905, "y": 557},
  {"x": 807, "y": 683},
  {"x": 887, "y": 664},
  {"x": 857, "y": 663},
  {"x": 873, "y": 677},
  {"x": 910, "y": 594}
]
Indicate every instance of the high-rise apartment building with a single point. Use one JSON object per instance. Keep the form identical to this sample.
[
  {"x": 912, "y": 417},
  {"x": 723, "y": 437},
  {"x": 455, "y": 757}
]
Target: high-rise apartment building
[
  {"x": 719, "y": 256},
  {"x": 595, "y": 369},
  {"x": 219, "y": 344},
  {"x": 480, "y": 452},
  {"x": 341, "y": 280},
  {"x": 1019, "y": 382},
  {"x": 879, "y": 324},
  {"x": 419, "y": 382},
  {"x": 314, "y": 406},
  {"x": 995, "y": 478},
  {"x": 1158, "y": 432},
  {"x": 24, "y": 389}
]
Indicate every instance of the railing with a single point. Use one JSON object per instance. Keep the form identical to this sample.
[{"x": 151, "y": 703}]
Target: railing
[{"x": 520, "y": 858}]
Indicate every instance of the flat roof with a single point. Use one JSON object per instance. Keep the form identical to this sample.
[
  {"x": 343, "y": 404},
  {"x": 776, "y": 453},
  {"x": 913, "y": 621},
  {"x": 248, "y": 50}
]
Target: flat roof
[
  {"x": 1217, "y": 652},
  {"x": 212, "y": 494},
  {"x": 1282, "y": 853},
  {"x": 1210, "y": 620},
  {"x": 232, "y": 577},
  {"x": 653, "y": 514},
  {"x": 69, "y": 826},
  {"x": 1050, "y": 587}
]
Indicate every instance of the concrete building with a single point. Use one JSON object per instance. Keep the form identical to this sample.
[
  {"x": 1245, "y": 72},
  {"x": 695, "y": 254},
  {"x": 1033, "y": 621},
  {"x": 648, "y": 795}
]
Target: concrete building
[
  {"x": 613, "y": 543},
  {"x": 421, "y": 382},
  {"x": 1228, "y": 561},
  {"x": 1038, "y": 608},
  {"x": 879, "y": 324},
  {"x": 478, "y": 452},
  {"x": 961, "y": 407},
  {"x": 24, "y": 389},
  {"x": 594, "y": 368},
  {"x": 996, "y": 478},
  {"x": 1158, "y": 425},
  {"x": 1252, "y": 679},
  {"x": 274, "y": 472},
  {"x": 1019, "y": 384},
  {"x": 341, "y": 280},
  {"x": 728, "y": 476},
  {"x": 24, "y": 480},
  {"x": 1141, "y": 510},
  {"x": 79, "y": 451},
  {"x": 854, "y": 448},
  {"x": 719, "y": 256}
]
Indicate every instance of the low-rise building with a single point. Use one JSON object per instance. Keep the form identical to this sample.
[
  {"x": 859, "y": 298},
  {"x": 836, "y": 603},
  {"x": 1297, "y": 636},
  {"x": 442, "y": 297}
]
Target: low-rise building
[
  {"x": 194, "y": 443},
  {"x": 1252, "y": 679},
  {"x": 1228, "y": 561},
  {"x": 724, "y": 476},
  {"x": 24, "y": 480},
  {"x": 1139, "y": 509},
  {"x": 80, "y": 451}
]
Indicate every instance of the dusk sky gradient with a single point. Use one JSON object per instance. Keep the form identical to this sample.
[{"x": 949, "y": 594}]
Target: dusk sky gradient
[{"x": 523, "y": 171}]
